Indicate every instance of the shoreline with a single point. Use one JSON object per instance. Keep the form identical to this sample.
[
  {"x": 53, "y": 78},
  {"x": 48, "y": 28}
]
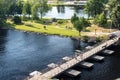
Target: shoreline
[{"x": 40, "y": 33}]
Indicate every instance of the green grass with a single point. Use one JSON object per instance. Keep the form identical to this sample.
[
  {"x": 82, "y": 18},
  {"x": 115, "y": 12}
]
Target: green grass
[
  {"x": 50, "y": 29},
  {"x": 54, "y": 28}
]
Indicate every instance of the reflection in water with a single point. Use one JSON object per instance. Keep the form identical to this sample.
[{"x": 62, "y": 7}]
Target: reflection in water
[
  {"x": 65, "y": 12},
  {"x": 61, "y": 9},
  {"x": 3, "y": 34}
]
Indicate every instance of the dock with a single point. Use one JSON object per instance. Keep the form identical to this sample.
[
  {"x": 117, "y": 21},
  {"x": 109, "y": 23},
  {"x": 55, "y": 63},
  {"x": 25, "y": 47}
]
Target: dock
[
  {"x": 86, "y": 65},
  {"x": 52, "y": 65},
  {"x": 34, "y": 73},
  {"x": 107, "y": 52},
  {"x": 72, "y": 73},
  {"x": 97, "y": 58},
  {"x": 77, "y": 51},
  {"x": 117, "y": 79},
  {"x": 88, "y": 47},
  {"x": 66, "y": 58},
  {"x": 67, "y": 64}
]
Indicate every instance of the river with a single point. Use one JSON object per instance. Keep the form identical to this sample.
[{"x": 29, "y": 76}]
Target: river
[
  {"x": 65, "y": 12},
  {"x": 22, "y": 53}
]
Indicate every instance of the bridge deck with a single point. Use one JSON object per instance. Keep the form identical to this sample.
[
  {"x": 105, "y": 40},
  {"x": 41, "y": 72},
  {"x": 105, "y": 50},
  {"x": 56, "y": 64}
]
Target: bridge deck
[{"x": 73, "y": 61}]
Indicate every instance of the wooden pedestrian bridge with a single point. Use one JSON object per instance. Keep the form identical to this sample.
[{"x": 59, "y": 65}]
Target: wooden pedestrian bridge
[{"x": 68, "y": 62}]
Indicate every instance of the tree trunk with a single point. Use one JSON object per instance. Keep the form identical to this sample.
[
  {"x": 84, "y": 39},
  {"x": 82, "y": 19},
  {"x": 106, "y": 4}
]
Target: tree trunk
[
  {"x": 79, "y": 39},
  {"x": 40, "y": 15}
]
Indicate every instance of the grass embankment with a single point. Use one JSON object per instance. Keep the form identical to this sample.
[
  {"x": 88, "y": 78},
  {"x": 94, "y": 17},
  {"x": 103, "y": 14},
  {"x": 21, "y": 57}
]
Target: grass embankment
[
  {"x": 53, "y": 28},
  {"x": 61, "y": 28}
]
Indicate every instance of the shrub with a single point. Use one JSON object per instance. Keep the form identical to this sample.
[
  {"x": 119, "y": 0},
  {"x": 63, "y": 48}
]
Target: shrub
[
  {"x": 101, "y": 38},
  {"x": 54, "y": 20},
  {"x": 2, "y": 22},
  {"x": 60, "y": 21},
  {"x": 85, "y": 38},
  {"x": 17, "y": 20},
  {"x": 100, "y": 20}
]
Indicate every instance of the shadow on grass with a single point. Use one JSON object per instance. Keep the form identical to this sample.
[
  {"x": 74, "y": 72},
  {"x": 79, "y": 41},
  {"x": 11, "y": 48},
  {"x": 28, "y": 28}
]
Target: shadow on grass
[
  {"x": 9, "y": 25},
  {"x": 30, "y": 25}
]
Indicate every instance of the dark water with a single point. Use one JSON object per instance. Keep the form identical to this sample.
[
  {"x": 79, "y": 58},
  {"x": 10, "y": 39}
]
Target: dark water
[
  {"x": 109, "y": 69},
  {"x": 22, "y": 53}
]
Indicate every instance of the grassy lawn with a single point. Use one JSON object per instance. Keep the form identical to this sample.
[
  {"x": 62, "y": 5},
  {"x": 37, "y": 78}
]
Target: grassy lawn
[
  {"x": 50, "y": 29},
  {"x": 58, "y": 29}
]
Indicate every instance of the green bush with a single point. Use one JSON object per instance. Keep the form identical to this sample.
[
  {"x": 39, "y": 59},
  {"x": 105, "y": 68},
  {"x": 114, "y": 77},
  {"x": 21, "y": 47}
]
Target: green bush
[
  {"x": 17, "y": 20},
  {"x": 2, "y": 22},
  {"x": 85, "y": 38},
  {"x": 101, "y": 38},
  {"x": 60, "y": 21},
  {"x": 100, "y": 20}
]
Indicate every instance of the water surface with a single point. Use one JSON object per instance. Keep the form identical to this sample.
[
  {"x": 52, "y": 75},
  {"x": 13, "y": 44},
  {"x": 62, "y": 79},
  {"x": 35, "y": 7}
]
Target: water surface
[{"x": 22, "y": 53}]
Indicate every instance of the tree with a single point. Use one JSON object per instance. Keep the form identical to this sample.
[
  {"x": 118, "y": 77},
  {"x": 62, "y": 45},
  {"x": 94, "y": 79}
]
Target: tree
[
  {"x": 26, "y": 9},
  {"x": 114, "y": 9},
  {"x": 34, "y": 12},
  {"x": 4, "y": 6},
  {"x": 19, "y": 6},
  {"x": 94, "y": 7},
  {"x": 17, "y": 20},
  {"x": 85, "y": 22},
  {"x": 41, "y": 7},
  {"x": 80, "y": 24},
  {"x": 100, "y": 20},
  {"x": 74, "y": 18},
  {"x": 13, "y": 9}
]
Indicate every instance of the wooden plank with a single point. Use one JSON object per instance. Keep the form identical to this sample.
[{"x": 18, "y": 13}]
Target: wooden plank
[
  {"x": 52, "y": 65},
  {"x": 108, "y": 52},
  {"x": 77, "y": 51},
  {"x": 72, "y": 72},
  {"x": 86, "y": 65},
  {"x": 66, "y": 58},
  {"x": 97, "y": 58},
  {"x": 117, "y": 79},
  {"x": 34, "y": 73}
]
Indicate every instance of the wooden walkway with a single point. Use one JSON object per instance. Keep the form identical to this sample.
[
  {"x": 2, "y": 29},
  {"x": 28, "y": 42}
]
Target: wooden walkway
[{"x": 66, "y": 64}]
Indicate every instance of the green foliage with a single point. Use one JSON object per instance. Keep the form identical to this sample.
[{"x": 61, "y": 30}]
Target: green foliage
[
  {"x": 34, "y": 12},
  {"x": 85, "y": 22},
  {"x": 79, "y": 23},
  {"x": 60, "y": 21},
  {"x": 85, "y": 38},
  {"x": 114, "y": 9},
  {"x": 13, "y": 9},
  {"x": 74, "y": 18},
  {"x": 19, "y": 6},
  {"x": 101, "y": 38},
  {"x": 41, "y": 7},
  {"x": 2, "y": 22},
  {"x": 100, "y": 20},
  {"x": 4, "y": 6},
  {"x": 94, "y": 7},
  {"x": 17, "y": 20},
  {"x": 26, "y": 10}
]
